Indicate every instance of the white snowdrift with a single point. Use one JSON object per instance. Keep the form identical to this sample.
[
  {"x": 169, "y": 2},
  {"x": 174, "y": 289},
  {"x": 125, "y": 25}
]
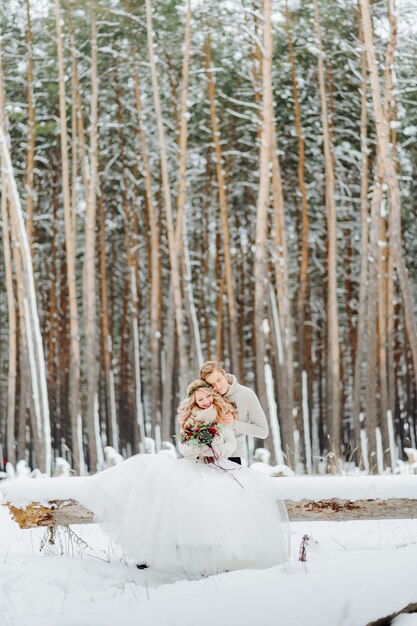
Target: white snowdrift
[{"x": 347, "y": 487}]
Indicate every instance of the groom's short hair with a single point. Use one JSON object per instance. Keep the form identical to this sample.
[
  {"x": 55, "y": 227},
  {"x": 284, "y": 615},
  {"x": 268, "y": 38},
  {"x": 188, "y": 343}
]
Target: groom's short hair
[{"x": 209, "y": 367}]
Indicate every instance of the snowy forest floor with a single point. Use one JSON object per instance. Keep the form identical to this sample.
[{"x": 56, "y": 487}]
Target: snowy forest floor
[{"x": 355, "y": 572}]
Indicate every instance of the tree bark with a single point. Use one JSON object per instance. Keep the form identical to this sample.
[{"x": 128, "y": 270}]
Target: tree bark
[
  {"x": 285, "y": 395},
  {"x": 12, "y": 331},
  {"x": 183, "y": 136},
  {"x": 70, "y": 248},
  {"x": 224, "y": 213},
  {"x": 11, "y": 306},
  {"x": 33, "y": 331},
  {"x": 333, "y": 357},
  {"x": 260, "y": 269},
  {"x": 386, "y": 297},
  {"x": 134, "y": 307},
  {"x": 371, "y": 410},
  {"x": 173, "y": 252},
  {"x": 89, "y": 268},
  {"x": 181, "y": 235},
  {"x": 106, "y": 336},
  {"x": 155, "y": 269},
  {"x": 303, "y": 293},
  {"x": 30, "y": 167},
  {"x": 392, "y": 182}
]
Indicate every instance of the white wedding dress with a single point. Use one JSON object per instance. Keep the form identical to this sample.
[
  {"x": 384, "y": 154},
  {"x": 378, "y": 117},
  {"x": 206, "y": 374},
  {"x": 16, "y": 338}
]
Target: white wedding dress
[{"x": 190, "y": 518}]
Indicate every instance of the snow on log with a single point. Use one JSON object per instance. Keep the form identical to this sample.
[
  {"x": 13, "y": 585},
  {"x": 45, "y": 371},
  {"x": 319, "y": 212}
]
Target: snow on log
[{"x": 57, "y": 501}]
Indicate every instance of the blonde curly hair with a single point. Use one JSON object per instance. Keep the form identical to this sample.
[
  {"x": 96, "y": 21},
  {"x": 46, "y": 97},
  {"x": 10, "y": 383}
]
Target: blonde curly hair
[{"x": 189, "y": 404}]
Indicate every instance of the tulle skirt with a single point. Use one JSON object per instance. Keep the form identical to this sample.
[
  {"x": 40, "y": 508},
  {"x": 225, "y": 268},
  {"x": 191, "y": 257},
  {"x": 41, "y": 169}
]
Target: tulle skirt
[{"x": 190, "y": 518}]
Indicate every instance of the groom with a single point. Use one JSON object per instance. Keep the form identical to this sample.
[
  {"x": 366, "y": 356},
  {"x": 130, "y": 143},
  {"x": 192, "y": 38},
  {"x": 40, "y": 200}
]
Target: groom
[{"x": 251, "y": 418}]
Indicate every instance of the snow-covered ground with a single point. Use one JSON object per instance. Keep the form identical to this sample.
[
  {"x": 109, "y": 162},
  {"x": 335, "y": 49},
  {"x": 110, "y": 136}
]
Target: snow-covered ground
[{"x": 355, "y": 572}]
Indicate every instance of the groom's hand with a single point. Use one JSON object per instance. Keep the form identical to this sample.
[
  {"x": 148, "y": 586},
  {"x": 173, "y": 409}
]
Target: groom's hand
[{"x": 228, "y": 419}]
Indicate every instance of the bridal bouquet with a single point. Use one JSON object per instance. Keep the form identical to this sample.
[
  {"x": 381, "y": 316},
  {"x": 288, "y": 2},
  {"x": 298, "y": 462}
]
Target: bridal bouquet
[{"x": 199, "y": 434}]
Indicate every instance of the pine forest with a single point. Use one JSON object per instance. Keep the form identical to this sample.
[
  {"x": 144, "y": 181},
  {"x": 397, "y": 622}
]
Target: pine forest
[{"x": 228, "y": 180}]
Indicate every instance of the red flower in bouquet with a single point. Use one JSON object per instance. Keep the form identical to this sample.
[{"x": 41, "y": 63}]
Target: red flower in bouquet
[{"x": 199, "y": 434}]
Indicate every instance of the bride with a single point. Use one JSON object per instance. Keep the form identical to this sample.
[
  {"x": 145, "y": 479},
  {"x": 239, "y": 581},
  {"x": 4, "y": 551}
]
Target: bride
[{"x": 199, "y": 515}]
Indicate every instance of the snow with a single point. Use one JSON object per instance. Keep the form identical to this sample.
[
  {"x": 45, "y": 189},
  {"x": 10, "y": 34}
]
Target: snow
[
  {"x": 22, "y": 491},
  {"x": 85, "y": 579},
  {"x": 347, "y": 487},
  {"x": 95, "y": 584}
]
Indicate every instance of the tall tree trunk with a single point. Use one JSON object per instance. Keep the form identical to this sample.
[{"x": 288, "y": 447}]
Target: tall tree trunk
[
  {"x": 173, "y": 253},
  {"x": 303, "y": 293},
  {"x": 11, "y": 307},
  {"x": 125, "y": 379},
  {"x": 134, "y": 308},
  {"x": 74, "y": 128},
  {"x": 198, "y": 359},
  {"x": 382, "y": 327},
  {"x": 107, "y": 344},
  {"x": 70, "y": 245},
  {"x": 387, "y": 272},
  {"x": 52, "y": 316},
  {"x": 155, "y": 269},
  {"x": 260, "y": 269},
  {"x": 89, "y": 268},
  {"x": 390, "y": 113},
  {"x": 183, "y": 136},
  {"x": 371, "y": 410},
  {"x": 27, "y": 397},
  {"x": 168, "y": 388},
  {"x": 224, "y": 212},
  {"x": 333, "y": 358},
  {"x": 33, "y": 331},
  {"x": 30, "y": 167},
  {"x": 12, "y": 330},
  {"x": 286, "y": 395},
  {"x": 219, "y": 263},
  {"x": 181, "y": 242},
  {"x": 203, "y": 295},
  {"x": 361, "y": 323},
  {"x": 392, "y": 182}
]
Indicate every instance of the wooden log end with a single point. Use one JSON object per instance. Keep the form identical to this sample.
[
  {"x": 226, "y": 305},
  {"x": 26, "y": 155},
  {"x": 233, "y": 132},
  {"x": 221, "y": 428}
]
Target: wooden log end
[
  {"x": 34, "y": 514},
  {"x": 58, "y": 512}
]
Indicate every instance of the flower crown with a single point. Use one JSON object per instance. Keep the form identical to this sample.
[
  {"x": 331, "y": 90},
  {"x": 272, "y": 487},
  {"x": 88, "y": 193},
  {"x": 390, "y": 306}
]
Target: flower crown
[{"x": 198, "y": 384}]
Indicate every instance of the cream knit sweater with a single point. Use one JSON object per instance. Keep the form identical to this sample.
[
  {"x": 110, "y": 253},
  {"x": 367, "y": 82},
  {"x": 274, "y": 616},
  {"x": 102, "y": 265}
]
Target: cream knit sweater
[{"x": 251, "y": 418}]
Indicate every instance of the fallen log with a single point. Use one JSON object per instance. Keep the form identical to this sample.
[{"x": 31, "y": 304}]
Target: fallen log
[
  {"x": 57, "y": 513},
  {"x": 56, "y": 501},
  {"x": 389, "y": 620},
  {"x": 67, "y": 512},
  {"x": 337, "y": 510}
]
